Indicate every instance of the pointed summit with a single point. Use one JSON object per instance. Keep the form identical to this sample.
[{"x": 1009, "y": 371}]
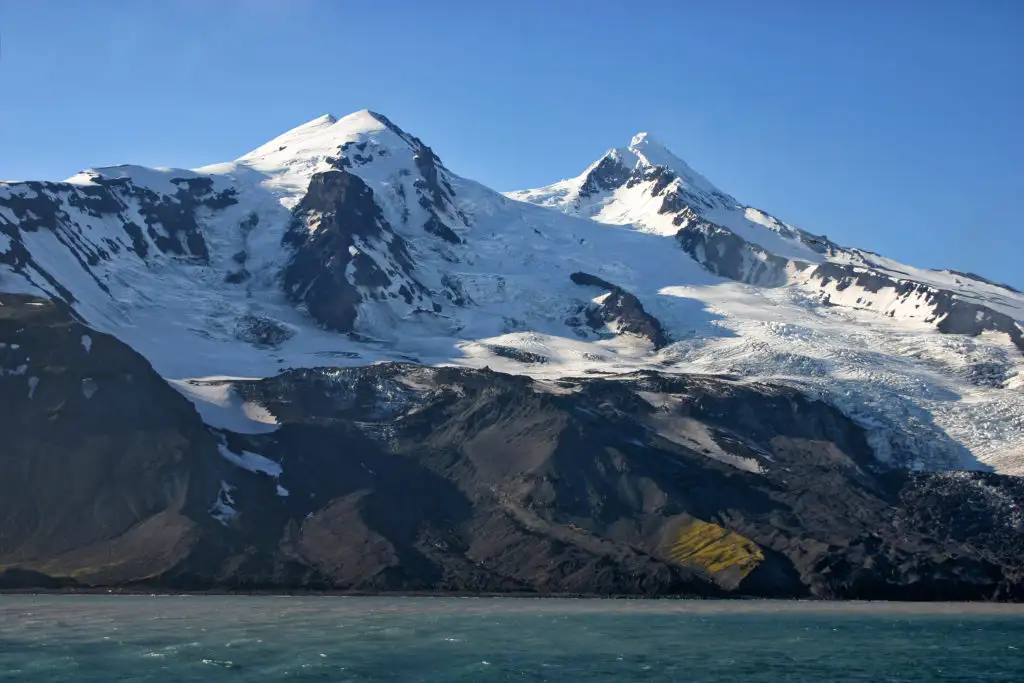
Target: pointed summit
[
  {"x": 649, "y": 151},
  {"x": 642, "y": 184},
  {"x": 644, "y": 140},
  {"x": 289, "y": 161}
]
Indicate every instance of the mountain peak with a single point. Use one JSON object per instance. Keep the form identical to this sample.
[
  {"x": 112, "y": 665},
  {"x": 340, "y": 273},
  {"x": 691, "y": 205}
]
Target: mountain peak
[
  {"x": 645, "y": 140},
  {"x": 651, "y": 152},
  {"x": 319, "y": 137}
]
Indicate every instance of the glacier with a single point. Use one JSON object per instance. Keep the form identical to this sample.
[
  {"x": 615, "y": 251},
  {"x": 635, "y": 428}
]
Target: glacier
[{"x": 191, "y": 268}]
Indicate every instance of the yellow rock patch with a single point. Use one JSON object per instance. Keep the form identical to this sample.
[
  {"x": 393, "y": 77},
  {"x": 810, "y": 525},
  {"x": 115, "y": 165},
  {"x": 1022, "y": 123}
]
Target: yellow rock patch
[{"x": 714, "y": 549}]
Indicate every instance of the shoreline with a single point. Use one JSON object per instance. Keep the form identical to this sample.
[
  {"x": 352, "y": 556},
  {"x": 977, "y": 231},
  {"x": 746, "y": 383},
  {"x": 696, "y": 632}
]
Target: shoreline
[{"x": 738, "y": 602}]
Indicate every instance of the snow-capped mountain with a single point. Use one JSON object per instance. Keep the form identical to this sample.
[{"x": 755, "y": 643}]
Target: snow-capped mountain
[
  {"x": 645, "y": 187},
  {"x": 334, "y": 363},
  {"x": 851, "y": 322},
  {"x": 347, "y": 241}
]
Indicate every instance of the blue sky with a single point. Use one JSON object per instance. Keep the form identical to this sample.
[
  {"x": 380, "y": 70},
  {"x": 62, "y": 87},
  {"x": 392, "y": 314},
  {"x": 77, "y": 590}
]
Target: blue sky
[{"x": 895, "y": 126}]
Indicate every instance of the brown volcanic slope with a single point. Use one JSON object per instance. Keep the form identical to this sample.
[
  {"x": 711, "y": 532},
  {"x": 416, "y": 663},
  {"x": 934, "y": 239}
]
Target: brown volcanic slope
[{"x": 405, "y": 478}]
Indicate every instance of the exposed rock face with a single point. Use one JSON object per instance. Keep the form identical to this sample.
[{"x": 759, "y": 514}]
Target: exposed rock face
[
  {"x": 660, "y": 178},
  {"x": 346, "y": 253},
  {"x": 950, "y": 313},
  {"x": 646, "y": 186},
  {"x": 677, "y": 196},
  {"x": 588, "y": 280},
  {"x": 262, "y": 331},
  {"x": 108, "y": 471},
  {"x": 627, "y": 314},
  {"x": 169, "y": 221},
  {"x": 434, "y": 191},
  {"x": 515, "y": 354},
  {"x": 621, "y": 310},
  {"x": 756, "y": 489},
  {"x": 399, "y": 477},
  {"x": 435, "y": 227},
  {"x": 725, "y": 253},
  {"x": 608, "y": 174}
]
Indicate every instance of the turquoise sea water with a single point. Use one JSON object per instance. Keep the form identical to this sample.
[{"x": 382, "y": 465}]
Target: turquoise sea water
[{"x": 158, "y": 639}]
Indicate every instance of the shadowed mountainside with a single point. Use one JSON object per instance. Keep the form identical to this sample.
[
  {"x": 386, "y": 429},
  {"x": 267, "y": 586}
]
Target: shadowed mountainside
[{"x": 404, "y": 478}]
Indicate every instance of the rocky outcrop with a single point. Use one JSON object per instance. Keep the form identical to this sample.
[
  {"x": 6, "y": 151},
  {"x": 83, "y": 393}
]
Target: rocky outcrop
[
  {"x": 725, "y": 253},
  {"x": 262, "y": 331},
  {"x": 433, "y": 189},
  {"x": 659, "y": 178},
  {"x": 108, "y": 471},
  {"x": 626, "y": 314},
  {"x": 608, "y": 174},
  {"x": 169, "y": 221},
  {"x": 468, "y": 480},
  {"x": 399, "y": 478},
  {"x": 434, "y": 226},
  {"x": 620, "y": 310},
  {"x": 346, "y": 254},
  {"x": 899, "y": 298},
  {"x": 588, "y": 280}
]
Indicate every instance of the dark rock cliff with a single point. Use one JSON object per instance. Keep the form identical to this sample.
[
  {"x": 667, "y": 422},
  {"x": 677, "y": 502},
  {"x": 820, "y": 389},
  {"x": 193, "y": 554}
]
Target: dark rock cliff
[
  {"x": 608, "y": 174},
  {"x": 725, "y": 253},
  {"x": 345, "y": 253},
  {"x": 168, "y": 225},
  {"x": 108, "y": 472},
  {"x": 622, "y": 310},
  {"x": 645, "y": 484},
  {"x": 399, "y": 478},
  {"x": 950, "y": 313},
  {"x": 433, "y": 189}
]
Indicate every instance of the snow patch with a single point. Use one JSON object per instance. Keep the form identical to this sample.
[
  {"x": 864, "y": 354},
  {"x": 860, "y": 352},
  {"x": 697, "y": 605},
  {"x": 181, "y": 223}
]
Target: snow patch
[
  {"x": 510, "y": 299},
  {"x": 89, "y": 387},
  {"x": 252, "y": 462},
  {"x": 223, "y": 507},
  {"x": 221, "y": 407},
  {"x": 18, "y": 371}
]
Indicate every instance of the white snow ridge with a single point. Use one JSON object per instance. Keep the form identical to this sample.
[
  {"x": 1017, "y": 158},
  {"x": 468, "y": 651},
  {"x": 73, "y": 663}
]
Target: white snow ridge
[{"x": 441, "y": 270}]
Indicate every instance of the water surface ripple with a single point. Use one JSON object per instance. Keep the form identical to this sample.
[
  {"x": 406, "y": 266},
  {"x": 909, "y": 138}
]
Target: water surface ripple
[{"x": 441, "y": 640}]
